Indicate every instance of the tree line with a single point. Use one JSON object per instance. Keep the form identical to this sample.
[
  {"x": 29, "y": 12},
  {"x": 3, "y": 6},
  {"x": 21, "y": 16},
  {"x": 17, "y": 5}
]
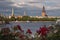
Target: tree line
[{"x": 27, "y": 18}]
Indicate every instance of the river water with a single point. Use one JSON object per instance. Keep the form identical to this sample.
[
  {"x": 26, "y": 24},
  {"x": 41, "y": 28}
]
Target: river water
[{"x": 30, "y": 25}]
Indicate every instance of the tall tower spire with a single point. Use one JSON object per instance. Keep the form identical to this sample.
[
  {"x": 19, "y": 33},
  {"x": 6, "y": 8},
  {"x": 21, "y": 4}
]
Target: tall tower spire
[
  {"x": 24, "y": 13},
  {"x": 43, "y": 12},
  {"x": 12, "y": 12}
]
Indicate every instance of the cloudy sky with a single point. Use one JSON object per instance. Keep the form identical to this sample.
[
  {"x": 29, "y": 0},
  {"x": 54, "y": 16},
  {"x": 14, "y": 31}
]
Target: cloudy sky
[
  {"x": 31, "y": 4},
  {"x": 50, "y": 4}
]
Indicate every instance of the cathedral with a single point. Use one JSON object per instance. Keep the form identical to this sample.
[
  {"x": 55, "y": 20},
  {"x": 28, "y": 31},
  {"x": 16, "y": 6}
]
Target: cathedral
[{"x": 44, "y": 12}]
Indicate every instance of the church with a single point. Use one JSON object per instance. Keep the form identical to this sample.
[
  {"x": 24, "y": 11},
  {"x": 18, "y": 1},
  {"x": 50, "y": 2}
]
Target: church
[{"x": 44, "y": 12}]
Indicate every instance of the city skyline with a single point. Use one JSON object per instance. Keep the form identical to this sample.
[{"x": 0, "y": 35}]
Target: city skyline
[{"x": 51, "y": 6}]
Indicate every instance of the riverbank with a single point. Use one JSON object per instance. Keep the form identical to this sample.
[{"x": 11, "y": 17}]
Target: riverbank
[{"x": 32, "y": 21}]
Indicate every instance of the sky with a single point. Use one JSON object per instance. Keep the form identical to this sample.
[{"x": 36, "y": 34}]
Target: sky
[
  {"x": 31, "y": 4},
  {"x": 50, "y": 4}
]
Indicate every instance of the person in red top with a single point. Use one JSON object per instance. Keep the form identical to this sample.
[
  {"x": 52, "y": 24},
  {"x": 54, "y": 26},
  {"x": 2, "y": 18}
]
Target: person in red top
[
  {"x": 43, "y": 31},
  {"x": 29, "y": 31},
  {"x": 19, "y": 27}
]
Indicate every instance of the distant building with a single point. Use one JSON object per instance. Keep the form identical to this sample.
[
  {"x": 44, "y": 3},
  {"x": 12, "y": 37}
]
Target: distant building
[
  {"x": 25, "y": 13},
  {"x": 12, "y": 12},
  {"x": 19, "y": 16},
  {"x": 44, "y": 12}
]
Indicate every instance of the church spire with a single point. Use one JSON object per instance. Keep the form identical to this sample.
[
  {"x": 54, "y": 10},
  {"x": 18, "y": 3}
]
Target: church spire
[
  {"x": 44, "y": 12},
  {"x": 43, "y": 9},
  {"x": 12, "y": 12},
  {"x": 24, "y": 13}
]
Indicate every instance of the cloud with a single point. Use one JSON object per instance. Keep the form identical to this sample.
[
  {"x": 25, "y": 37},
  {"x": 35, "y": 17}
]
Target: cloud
[
  {"x": 5, "y": 3},
  {"x": 50, "y": 4}
]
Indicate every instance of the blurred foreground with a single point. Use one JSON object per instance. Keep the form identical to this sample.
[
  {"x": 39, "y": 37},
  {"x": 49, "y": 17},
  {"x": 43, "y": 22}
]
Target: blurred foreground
[{"x": 52, "y": 32}]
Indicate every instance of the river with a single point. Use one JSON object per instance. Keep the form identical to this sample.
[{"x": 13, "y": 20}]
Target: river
[{"x": 31, "y": 25}]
